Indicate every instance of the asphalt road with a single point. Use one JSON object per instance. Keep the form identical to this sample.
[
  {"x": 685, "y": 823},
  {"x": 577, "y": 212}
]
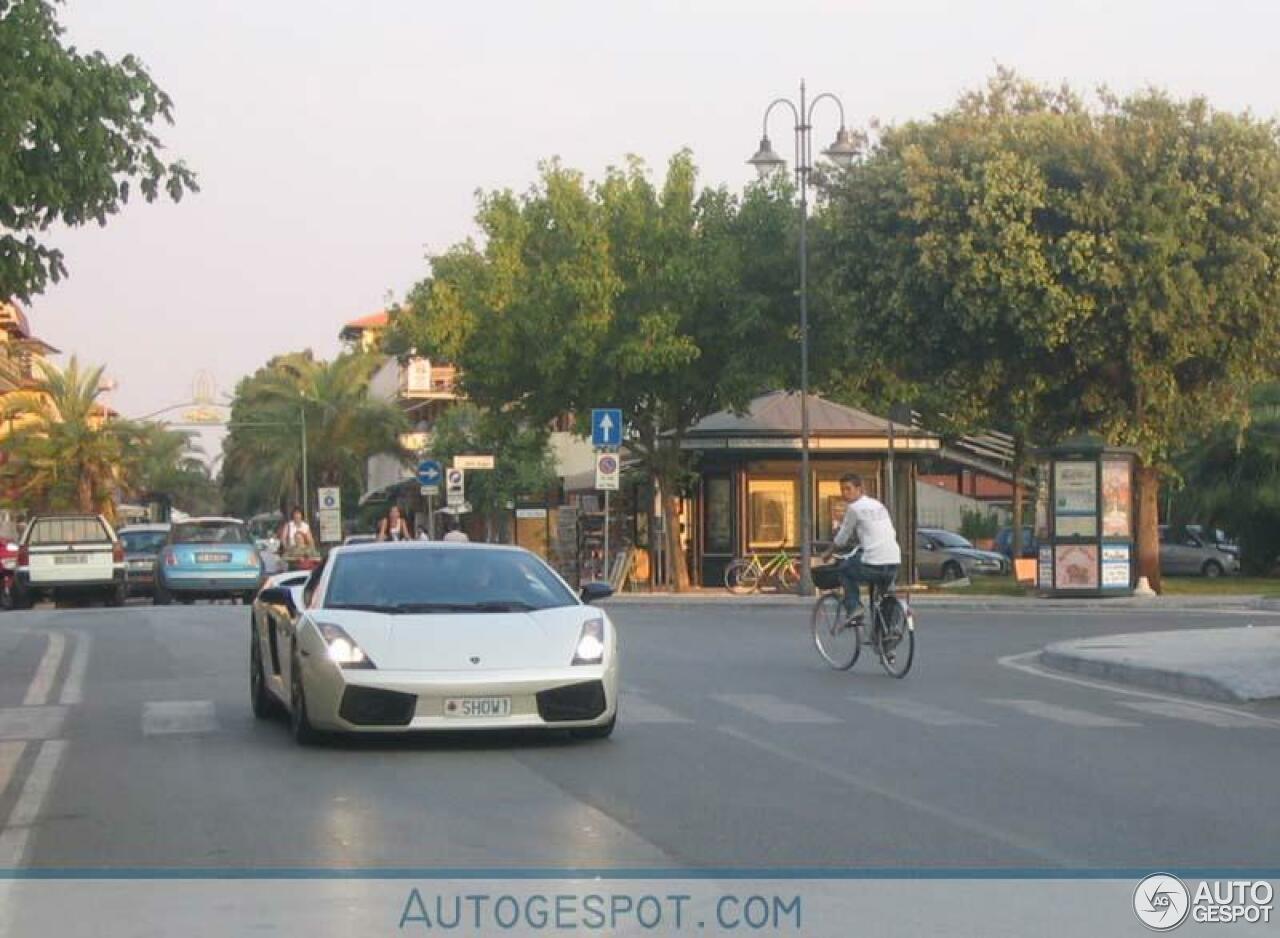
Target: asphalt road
[{"x": 126, "y": 740}]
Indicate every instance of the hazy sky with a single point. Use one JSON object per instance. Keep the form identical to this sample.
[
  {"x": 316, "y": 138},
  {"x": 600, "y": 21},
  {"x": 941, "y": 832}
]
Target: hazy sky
[{"x": 338, "y": 143}]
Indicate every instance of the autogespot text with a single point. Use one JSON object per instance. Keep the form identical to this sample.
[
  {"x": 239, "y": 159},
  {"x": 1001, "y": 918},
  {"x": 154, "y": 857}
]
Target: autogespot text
[{"x": 484, "y": 912}]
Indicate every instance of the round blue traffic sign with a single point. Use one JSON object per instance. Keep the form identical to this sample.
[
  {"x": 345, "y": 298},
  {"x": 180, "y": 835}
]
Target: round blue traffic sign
[{"x": 429, "y": 472}]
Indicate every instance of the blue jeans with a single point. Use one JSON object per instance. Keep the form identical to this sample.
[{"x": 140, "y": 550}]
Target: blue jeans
[{"x": 853, "y": 571}]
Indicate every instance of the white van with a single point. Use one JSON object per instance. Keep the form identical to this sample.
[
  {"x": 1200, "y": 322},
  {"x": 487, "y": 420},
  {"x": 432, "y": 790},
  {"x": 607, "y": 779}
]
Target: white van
[{"x": 64, "y": 555}]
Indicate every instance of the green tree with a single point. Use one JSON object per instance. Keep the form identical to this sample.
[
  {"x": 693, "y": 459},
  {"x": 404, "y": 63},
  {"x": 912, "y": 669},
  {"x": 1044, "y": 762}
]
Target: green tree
[
  {"x": 164, "y": 461},
  {"x": 62, "y": 454},
  {"x": 670, "y": 303},
  {"x": 75, "y": 134},
  {"x": 1231, "y": 479},
  {"x": 523, "y": 464},
  {"x": 1026, "y": 262},
  {"x": 262, "y": 455}
]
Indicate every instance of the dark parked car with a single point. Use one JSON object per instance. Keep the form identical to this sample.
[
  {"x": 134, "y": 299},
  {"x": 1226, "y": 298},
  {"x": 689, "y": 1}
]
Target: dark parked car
[
  {"x": 1030, "y": 546},
  {"x": 142, "y": 545}
]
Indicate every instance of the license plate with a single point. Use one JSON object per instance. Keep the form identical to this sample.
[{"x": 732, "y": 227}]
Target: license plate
[
  {"x": 71, "y": 559},
  {"x": 472, "y": 707},
  {"x": 213, "y": 558}
]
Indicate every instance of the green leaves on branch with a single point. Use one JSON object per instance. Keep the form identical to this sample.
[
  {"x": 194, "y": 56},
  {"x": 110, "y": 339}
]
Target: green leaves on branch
[{"x": 75, "y": 138}]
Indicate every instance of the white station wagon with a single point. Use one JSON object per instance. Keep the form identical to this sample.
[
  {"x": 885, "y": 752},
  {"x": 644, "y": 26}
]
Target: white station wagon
[{"x": 69, "y": 555}]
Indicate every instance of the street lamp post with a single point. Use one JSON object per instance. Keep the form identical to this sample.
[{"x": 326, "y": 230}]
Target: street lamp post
[{"x": 766, "y": 161}]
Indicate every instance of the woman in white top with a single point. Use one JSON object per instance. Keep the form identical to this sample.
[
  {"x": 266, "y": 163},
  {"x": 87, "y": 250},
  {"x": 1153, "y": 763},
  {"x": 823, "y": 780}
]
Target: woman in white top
[{"x": 393, "y": 526}]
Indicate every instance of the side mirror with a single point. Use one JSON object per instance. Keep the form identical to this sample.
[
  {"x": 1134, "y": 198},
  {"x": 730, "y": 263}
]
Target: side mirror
[
  {"x": 594, "y": 592},
  {"x": 279, "y": 596}
]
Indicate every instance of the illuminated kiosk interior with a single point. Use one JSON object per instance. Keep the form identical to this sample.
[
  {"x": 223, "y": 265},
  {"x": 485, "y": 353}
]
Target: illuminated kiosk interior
[{"x": 1085, "y": 519}]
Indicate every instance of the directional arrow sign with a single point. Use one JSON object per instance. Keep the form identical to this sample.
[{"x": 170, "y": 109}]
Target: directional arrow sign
[
  {"x": 429, "y": 472},
  {"x": 606, "y": 427}
]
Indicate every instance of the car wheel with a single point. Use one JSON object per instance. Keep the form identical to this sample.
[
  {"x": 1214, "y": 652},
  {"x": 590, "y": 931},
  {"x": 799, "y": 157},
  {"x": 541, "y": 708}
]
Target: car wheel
[
  {"x": 6, "y": 593},
  {"x": 21, "y": 597},
  {"x": 117, "y": 596},
  {"x": 952, "y": 571},
  {"x": 304, "y": 734},
  {"x": 603, "y": 731},
  {"x": 1211, "y": 569},
  {"x": 264, "y": 705},
  {"x": 160, "y": 594}
]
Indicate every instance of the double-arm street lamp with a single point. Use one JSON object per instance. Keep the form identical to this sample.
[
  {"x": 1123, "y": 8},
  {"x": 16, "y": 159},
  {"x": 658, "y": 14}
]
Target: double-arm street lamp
[{"x": 766, "y": 161}]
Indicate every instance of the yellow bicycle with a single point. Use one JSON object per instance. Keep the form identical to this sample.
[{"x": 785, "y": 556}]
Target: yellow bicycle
[{"x": 747, "y": 574}]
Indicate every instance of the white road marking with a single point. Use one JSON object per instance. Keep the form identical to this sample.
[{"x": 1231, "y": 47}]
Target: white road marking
[
  {"x": 1180, "y": 710},
  {"x": 165, "y": 717},
  {"x": 42, "y": 683},
  {"x": 635, "y": 708},
  {"x": 775, "y": 709},
  {"x": 920, "y": 712},
  {"x": 14, "y": 838},
  {"x": 31, "y": 722},
  {"x": 73, "y": 685},
  {"x": 1025, "y": 664},
  {"x": 10, "y": 754},
  {"x": 895, "y": 794},
  {"x": 1066, "y": 715}
]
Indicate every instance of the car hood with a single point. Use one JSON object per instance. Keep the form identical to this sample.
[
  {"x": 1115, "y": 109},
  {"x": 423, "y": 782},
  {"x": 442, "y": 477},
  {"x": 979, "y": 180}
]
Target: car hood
[{"x": 507, "y": 641}]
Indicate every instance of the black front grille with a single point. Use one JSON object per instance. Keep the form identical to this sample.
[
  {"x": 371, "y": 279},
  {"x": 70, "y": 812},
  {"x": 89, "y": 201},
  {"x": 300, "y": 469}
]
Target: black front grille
[
  {"x": 370, "y": 706},
  {"x": 583, "y": 701}
]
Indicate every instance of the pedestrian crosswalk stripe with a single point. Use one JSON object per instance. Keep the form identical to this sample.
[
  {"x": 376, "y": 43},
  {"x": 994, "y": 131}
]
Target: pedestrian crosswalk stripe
[
  {"x": 10, "y": 753},
  {"x": 920, "y": 712},
  {"x": 636, "y": 708},
  {"x": 31, "y": 722},
  {"x": 165, "y": 717},
  {"x": 1066, "y": 715},
  {"x": 1212, "y": 716},
  {"x": 775, "y": 709}
]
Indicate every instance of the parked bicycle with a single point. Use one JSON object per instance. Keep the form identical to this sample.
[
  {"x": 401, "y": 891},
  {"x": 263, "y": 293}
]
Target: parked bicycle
[
  {"x": 891, "y": 624},
  {"x": 747, "y": 574}
]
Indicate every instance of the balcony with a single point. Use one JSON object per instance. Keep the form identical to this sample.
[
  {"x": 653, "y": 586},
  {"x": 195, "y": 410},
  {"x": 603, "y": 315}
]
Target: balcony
[{"x": 420, "y": 380}]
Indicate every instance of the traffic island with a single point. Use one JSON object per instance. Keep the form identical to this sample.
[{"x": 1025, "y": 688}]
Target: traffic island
[{"x": 1236, "y": 665}]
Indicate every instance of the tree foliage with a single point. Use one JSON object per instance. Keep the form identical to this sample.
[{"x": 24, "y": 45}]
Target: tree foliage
[
  {"x": 668, "y": 301},
  {"x": 76, "y": 134},
  {"x": 1028, "y": 262},
  {"x": 262, "y": 454}
]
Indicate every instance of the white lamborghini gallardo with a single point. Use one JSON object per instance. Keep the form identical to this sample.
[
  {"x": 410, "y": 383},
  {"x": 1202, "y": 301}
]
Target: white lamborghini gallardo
[{"x": 426, "y": 635}]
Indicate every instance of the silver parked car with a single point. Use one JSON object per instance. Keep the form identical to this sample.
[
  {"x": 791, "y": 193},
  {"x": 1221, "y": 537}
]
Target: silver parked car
[
  {"x": 942, "y": 555},
  {"x": 1184, "y": 551}
]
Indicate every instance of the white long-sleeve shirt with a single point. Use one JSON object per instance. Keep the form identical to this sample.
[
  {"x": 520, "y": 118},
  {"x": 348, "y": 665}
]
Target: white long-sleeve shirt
[{"x": 869, "y": 520}]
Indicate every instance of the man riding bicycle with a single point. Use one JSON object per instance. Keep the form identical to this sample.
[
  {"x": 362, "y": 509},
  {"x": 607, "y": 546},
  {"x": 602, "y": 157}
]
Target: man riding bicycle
[{"x": 868, "y": 520}]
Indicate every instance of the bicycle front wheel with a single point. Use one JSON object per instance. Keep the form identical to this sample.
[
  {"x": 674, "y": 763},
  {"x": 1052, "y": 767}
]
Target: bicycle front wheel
[
  {"x": 838, "y": 642},
  {"x": 897, "y": 644},
  {"x": 741, "y": 577},
  {"x": 788, "y": 576}
]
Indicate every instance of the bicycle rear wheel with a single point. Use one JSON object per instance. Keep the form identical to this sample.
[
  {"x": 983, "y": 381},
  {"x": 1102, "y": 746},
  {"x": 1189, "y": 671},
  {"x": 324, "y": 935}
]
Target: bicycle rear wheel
[
  {"x": 788, "y": 577},
  {"x": 837, "y": 642},
  {"x": 741, "y": 577},
  {"x": 897, "y": 641}
]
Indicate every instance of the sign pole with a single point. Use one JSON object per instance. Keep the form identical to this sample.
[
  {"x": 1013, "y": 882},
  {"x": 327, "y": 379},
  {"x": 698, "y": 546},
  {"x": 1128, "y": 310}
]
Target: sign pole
[
  {"x": 431, "y": 517},
  {"x": 606, "y": 535}
]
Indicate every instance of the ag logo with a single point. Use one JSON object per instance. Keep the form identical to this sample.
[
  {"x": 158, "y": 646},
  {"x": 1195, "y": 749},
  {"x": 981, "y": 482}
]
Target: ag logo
[{"x": 1161, "y": 901}]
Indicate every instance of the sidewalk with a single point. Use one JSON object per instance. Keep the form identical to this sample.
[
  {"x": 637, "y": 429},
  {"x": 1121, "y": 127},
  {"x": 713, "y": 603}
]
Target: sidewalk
[
  {"x": 1234, "y": 665},
  {"x": 938, "y": 599}
]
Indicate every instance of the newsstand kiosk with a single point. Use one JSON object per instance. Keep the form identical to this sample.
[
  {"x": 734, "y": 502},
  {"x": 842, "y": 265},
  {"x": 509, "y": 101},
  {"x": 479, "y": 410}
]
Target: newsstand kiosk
[{"x": 1085, "y": 519}]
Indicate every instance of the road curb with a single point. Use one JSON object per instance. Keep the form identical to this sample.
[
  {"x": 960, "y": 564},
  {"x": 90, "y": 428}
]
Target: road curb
[{"x": 975, "y": 604}]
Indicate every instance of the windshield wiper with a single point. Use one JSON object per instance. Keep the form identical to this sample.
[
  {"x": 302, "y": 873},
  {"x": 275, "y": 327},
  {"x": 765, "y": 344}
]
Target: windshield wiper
[
  {"x": 364, "y": 607},
  {"x": 504, "y": 606}
]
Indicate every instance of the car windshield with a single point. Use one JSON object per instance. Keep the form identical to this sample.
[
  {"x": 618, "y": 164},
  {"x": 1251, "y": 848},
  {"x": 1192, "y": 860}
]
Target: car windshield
[
  {"x": 143, "y": 542},
  {"x": 68, "y": 531},
  {"x": 947, "y": 539},
  {"x": 211, "y": 532},
  {"x": 440, "y": 580}
]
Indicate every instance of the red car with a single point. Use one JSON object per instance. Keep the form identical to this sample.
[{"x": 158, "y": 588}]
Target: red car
[{"x": 8, "y": 569}]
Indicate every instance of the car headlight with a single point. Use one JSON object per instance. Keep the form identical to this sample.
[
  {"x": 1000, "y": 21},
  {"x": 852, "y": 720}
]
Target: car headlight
[
  {"x": 590, "y": 648},
  {"x": 343, "y": 650}
]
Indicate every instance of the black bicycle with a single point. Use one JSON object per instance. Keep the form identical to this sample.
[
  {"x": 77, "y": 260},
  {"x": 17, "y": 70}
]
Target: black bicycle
[{"x": 839, "y": 639}]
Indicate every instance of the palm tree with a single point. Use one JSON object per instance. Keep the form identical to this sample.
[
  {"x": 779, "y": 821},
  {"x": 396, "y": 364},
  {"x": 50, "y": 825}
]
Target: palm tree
[
  {"x": 345, "y": 426},
  {"x": 62, "y": 453}
]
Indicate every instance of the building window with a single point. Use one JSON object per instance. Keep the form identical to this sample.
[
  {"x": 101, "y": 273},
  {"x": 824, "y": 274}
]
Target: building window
[
  {"x": 830, "y": 503},
  {"x": 773, "y": 514},
  {"x": 719, "y": 517}
]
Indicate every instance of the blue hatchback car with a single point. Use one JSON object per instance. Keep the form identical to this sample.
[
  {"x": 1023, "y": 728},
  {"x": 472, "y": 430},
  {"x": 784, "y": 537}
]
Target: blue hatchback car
[{"x": 208, "y": 558}]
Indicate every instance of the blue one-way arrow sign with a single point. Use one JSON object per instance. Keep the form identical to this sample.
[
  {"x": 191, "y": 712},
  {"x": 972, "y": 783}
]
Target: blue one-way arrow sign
[
  {"x": 606, "y": 426},
  {"x": 429, "y": 472}
]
